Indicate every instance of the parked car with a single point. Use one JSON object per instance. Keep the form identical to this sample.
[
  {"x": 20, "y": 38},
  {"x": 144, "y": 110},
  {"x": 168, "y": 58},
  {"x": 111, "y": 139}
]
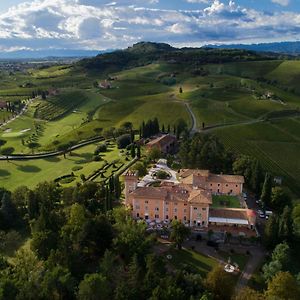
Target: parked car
[
  {"x": 212, "y": 244},
  {"x": 268, "y": 213},
  {"x": 262, "y": 215}
]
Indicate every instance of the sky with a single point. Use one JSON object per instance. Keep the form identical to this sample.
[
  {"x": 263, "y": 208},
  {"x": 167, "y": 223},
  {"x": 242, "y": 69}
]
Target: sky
[{"x": 112, "y": 24}]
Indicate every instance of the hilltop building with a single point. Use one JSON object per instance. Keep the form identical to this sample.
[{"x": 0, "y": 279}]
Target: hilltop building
[
  {"x": 165, "y": 143},
  {"x": 189, "y": 201}
]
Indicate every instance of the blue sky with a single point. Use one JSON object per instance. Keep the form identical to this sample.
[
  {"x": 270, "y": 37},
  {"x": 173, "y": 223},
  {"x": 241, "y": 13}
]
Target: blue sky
[{"x": 106, "y": 24}]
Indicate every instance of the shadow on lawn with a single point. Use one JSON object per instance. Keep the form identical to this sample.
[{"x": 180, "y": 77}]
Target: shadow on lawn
[
  {"x": 52, "y": 159},
  {"x": 29, "y": 169},
  {"x": 193, "y": 260},
  {"x": 4, "y": 173}
]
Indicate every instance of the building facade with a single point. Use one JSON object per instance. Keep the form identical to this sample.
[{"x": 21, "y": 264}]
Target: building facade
[{"x": 189, "y": 201}]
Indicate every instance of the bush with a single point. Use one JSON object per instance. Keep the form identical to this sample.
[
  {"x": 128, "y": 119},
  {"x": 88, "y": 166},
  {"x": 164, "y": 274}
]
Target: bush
[
  {"x": 162, "y": 175},
  {"x": 123, "y": 141},
  {"x": 77, "y": 168},
  {"x": 100, "y": 148}
]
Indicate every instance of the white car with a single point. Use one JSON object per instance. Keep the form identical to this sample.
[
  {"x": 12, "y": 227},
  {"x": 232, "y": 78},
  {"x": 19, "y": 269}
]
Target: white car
[{"x": 262, "y": 215}]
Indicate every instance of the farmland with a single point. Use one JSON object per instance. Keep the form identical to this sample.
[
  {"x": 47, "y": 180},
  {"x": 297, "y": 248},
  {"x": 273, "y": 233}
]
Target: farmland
[{"x": 251, "y": 106}]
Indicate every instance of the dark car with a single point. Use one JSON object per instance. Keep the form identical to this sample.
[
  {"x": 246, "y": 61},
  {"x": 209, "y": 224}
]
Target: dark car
[{"x": 212, "y": 244}]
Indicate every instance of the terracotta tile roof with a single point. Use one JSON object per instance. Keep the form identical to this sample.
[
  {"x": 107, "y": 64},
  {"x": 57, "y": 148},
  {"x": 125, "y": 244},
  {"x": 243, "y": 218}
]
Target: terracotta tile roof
[
  {"x": 162, "y": 140},
  {"x": 228, "y": 213},
  {"x": 150, "y": 192},
  {"x": 187, "y": 172},
  {"x": 200, "y": 197},
  {"x": 226, "y": 179}
]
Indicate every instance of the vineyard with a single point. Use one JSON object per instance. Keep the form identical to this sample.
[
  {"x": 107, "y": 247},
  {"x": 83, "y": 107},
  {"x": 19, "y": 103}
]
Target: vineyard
[
  {"x": 276, "y": 150},
  {"x": 56, "y": 107}
]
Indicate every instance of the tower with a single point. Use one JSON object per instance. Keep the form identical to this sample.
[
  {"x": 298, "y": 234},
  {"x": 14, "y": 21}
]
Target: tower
[{"x": 131, "y": 181}]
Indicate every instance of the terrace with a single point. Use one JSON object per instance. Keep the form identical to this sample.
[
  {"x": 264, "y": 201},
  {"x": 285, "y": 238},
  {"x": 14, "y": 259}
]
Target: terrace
[{"x": 225, "y": 201}]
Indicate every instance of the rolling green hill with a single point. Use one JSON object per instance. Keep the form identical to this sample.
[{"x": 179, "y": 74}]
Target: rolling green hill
[{"x": 250, "y": 101}]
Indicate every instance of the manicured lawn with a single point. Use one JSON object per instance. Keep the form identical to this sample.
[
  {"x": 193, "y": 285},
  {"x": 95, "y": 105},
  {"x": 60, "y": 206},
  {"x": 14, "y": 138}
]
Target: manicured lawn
[
  {"x": 197, "y": 261},
  {"x": 30, "y": 173},
  {"x": 225, "y": 201},
  {"x": 240, "y": 259}
]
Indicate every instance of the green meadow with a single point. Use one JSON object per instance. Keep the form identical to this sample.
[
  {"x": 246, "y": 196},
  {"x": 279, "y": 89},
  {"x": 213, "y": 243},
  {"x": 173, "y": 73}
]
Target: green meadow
[{"x": 230, "y": 100}]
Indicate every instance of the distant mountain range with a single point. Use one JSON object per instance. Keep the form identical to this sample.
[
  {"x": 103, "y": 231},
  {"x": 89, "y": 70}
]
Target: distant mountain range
[
  {"x": 42, "y": 54},
  {"x": 291, "y": 48}
]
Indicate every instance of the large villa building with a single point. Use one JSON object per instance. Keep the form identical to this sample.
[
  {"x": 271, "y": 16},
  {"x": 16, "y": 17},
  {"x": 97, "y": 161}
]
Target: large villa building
[{"x": 190, "y": 200}]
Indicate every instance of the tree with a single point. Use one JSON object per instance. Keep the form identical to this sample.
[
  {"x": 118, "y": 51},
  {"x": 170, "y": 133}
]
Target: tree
[
  {"x": 285, "y": 230},
  {"x": 248, "y": 294},
  {"x": 270, "y": 269},
  {"x": 2, "y": 142},
  {"x": 279, "y": 199},
  {"x": 154, "y": 154},
  {"x": 133, "y": 151},
  {"x": 283, "y": 286},
  {"x": 180, "y": 90},
  {"x": 296, "y": 221},
  {"x": 7, "y": 151},
  {"x": 179, "y": 233},
  {"x": 271, "y": 232},
  {"x": 266, "y": 191},
  {"x": 138, "y": 151},
  {"x": 94, "y": 287},
  {"x": 8, "y": 213},
  {"x": 256, "y": 177},
  {"x": 281, "y": 253},
  {"x": 220, "y": 283},
  {"x": 33, "y": 146},
  {"x": 140, "y": 168},
  {"x": 123, "y": 141},
  {"x": 63, "y": 148}
]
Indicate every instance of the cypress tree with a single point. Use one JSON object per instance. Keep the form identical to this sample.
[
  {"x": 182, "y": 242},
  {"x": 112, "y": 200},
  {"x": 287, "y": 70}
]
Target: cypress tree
[
  {"x": 266, "y": 191},
  {"x": 271, "y": 232},
  {"x": 169, "y": 129},
  {"x": 138, "y": 152},
  {"x": 133, "y": 150},
  {"x": 285, "y": 230},
  {"x": 163, "y": 128}
]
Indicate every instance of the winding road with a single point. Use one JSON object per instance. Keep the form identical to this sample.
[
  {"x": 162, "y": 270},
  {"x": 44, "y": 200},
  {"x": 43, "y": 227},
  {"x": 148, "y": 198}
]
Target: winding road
[{"x": 50, "y": 154}]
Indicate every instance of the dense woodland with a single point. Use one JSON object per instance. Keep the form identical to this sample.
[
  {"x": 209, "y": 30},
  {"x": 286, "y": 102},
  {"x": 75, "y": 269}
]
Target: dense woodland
[
  {"x": 145, "y": 53},
  {"x": 84, "y": 245}
]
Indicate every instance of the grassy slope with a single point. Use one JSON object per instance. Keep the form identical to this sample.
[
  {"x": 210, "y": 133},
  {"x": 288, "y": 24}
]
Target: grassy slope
[{"x": 30, "y": 173}]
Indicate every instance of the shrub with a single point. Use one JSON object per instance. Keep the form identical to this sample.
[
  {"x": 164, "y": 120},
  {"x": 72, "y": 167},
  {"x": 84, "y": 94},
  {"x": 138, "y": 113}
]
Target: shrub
[
  {"x": 100, "y": 148},
  {"x": 123, "y": 141},
  {"x": 162, "y": 175}
]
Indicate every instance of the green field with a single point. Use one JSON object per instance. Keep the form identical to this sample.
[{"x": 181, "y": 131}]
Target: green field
[
  {"x": 31, "y": 172},
  {"x": 196, "y": 261},
  {"x": 230, "y": 100},
  {"x": 224, "y": 201}
]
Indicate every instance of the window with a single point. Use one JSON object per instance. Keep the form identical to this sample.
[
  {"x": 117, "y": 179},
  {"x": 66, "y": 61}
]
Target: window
[
  {"x": 218, "y": 184},
  {"x": 195, "y": 222},
  {"x": 167, "y": 203},
  {"x": 203, "y": 208},
  {"x": 175, "y": 203},
  {"x": 146, "y": 201},
  {"x": 146, "y": 207},
  {"x": 137, "y": 215},
  {"x": 211, "y": 184},
  {"x": 195, "y": 208},
  {"x": 185, "y": 204},
  {"x": 203, "y": 223},
  {"x": 175, "y": 210},
  {"x": 156, "y": 216},
  {"x": 184, "y": 218},
  {"x": 175, "y": 217},
  {"x": 146, "y": 217},
  {"x": 167, "y": 217},
  {"x": 236, "y": 186},
  {"x": 137, "y": 207},
  {"x": 226, "y": 184},
  {"x": 156, "y": 208},
  {"x": 167, "y": 209},
  {"x": 184, "y": 210}
]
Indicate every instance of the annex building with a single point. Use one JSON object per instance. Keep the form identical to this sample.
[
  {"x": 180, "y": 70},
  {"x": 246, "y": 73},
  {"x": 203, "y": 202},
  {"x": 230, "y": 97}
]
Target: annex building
[{"x": 189, "y": 201}]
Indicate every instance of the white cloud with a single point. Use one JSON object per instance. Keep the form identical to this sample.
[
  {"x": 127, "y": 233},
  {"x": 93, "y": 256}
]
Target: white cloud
[
  {"x": 97, "y": 24},
  {"x": 281, "y": 2}
]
